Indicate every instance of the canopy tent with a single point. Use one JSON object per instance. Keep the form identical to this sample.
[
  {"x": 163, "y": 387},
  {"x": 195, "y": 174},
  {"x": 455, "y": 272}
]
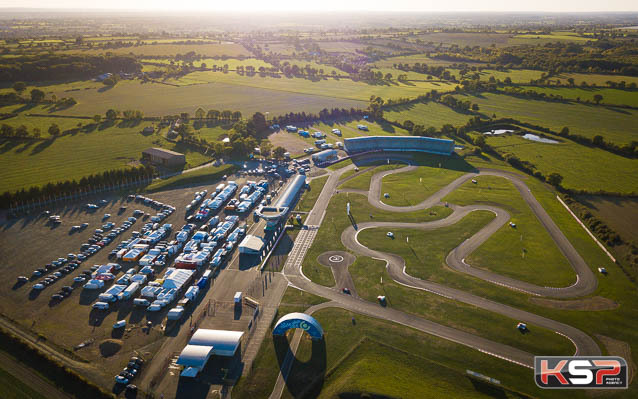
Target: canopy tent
[
  {"x": 225, "y": 342},
  {"x": 194, "y": 358}
]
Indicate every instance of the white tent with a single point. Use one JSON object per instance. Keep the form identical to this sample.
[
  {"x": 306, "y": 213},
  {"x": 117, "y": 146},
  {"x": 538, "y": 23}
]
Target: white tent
[
  {"x": 225, "y": 342},
  {"x": 194, "y": 357}
]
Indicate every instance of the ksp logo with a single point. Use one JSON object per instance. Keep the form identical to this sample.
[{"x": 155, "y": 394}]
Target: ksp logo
[{"x": 584, "y": 372}]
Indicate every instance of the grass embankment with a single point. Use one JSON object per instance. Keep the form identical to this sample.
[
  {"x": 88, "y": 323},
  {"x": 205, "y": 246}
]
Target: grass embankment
[
  {"x": 208, "y": 174},
  {"x": 340, "y": 165},
  {"x": 615, "y": 125},
  {"x": 526, "y": 252},
  {"x": 13, "y": 388},
  {"x": 335, "y": 221},
  {"x": 582, "y": 168},
  {"x": 434, "y": 173},
  {"x": 361, "y": 357},
  {"x": 362, "y": 182},
  {"x": 309, "y": 198}
]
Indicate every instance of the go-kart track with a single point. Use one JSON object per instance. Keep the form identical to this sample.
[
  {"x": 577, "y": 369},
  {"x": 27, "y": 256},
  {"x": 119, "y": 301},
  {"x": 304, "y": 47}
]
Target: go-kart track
[{"x": 585, "y": 284}]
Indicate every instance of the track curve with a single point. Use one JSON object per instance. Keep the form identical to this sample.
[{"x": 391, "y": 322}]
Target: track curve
[{"x": 585, "y": 284}]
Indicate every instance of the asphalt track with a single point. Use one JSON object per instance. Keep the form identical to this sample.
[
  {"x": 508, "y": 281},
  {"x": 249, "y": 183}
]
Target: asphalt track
[{"x": 585, "y": 283}]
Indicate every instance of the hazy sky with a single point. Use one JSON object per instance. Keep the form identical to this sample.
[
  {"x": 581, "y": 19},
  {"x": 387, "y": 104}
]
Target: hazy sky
[{"x": 338, "y": 5}]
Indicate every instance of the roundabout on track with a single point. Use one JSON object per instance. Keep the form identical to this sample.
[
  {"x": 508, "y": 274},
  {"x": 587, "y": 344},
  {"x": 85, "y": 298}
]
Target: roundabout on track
[{"x": 336, "y": 259}]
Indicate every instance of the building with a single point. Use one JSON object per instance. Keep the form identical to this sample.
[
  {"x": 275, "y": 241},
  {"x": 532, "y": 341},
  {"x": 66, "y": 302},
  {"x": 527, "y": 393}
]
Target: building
[
  {"x": 251, "y": 245},
  {"x": 324, "y": 156},
  {"x": 274, "y": 214},
  {"x": 148, "y": 130},
  {"x": 398, "y": 143},
  {"x": 163, "y": 157},
  {"x": 205, "y": 343}
]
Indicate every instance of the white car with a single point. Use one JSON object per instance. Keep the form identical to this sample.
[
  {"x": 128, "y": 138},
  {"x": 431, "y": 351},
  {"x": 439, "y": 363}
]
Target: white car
[
  {"x": 119, "y": 324},
  {"x": 390, "y": 234}
]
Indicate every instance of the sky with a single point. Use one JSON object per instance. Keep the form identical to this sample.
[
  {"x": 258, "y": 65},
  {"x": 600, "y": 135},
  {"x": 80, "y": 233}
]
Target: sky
[{"x": 336, "y": 5}]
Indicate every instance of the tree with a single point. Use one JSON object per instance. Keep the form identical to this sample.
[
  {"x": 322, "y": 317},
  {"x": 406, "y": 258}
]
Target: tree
[
  {"x": 475, "y": 107},
  {"x": 571, "y": 82},
  {"x": 279, "y": 152},
  {"x": 36, "y": 133},
  {"x": 200, "y": 113},
  {"x": 37, "y": 95},
  {"x": 598, "y": 98},
  {"x": 19, "y": 87},
  {"x": 54, "y": 130},
  {"x": 480, "y": 141},
  {"x": 555, "y": 179},
  {"x": 236, "y": 115},
  {"x": 564, "y": 132},
  {"x": 598, "y": 140},
  {"x": 97, "y": 118},
  {"x": 213, "y": 114},
  {"x": 111, "y": 114},
  {"x": 259, "y": 121},
  {"x": 507, "y": 80},
  {"x": 265, "y": 148}
]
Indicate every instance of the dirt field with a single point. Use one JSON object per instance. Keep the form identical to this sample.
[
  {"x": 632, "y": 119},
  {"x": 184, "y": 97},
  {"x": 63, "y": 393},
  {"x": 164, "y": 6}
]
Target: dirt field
[{"x": 290, "y": 141}]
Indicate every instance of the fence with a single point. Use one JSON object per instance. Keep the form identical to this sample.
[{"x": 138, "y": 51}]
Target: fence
[{"x": 54, "y": 199}]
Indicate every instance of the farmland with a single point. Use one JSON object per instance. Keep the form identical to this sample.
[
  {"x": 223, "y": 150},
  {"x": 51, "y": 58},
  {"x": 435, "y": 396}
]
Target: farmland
[
  {"x": 73, "y": 156},
  {"x": 159, "y": 99},
  {"x": 610, "y": 96},
  {"x": 149, "y": 50},
  {"x": 615, "y": 125},
  {"x": 426, "y": 114},
  {"x": 582, "y": 168}
]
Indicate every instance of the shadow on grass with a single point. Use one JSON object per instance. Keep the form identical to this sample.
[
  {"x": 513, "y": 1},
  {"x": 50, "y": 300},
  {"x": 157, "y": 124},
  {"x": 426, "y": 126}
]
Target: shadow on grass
[{"x": 305, "y": 379}]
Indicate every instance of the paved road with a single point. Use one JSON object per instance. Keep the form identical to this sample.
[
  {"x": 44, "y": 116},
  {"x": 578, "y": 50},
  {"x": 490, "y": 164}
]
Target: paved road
[{"x": 585, "y": 284}]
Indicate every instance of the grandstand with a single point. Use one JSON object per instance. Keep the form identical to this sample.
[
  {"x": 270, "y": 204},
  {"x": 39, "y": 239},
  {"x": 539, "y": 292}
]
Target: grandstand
[{"x": 398, "y": 143}]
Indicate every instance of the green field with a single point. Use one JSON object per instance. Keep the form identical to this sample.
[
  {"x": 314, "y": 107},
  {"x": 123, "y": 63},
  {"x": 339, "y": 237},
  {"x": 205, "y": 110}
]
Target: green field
[
  {"x": 13, "y": 388},
  {"x": 582, "y": 168},
  {"x": 149, "y": 50},
  {"x": 362, "y": 182},
  {"x": 307, "y": 201},
  {"x": 621, "y": 214},
  {"x": 536, "y": 39},
  {"x": 205, "y": 175},
  {"x": 156, "y": 99},
  {"x": 73, "y": 156},
  {"x": 610, "y": 96},
  {"x": 526, "y": 252},
  {"x": 411, "y": 188},
  {"x": 593, "y": 78},
  {"x": 335, "y": 221},
  {"x": 362, "y": 357},
  {"x": 614, "y": 125},
  {"x": 368, "y": 273},
  {"x": 426, "y": 114}
]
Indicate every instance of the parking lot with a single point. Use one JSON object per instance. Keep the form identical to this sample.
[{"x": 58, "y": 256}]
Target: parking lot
[{"x": 31, "y": 243}]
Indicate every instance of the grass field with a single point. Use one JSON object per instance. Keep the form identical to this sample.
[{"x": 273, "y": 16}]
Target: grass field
[
  {"x": 362, "y": 182},
  {"x": 307, "y": 201},
  {"x": 361, "y": 357},
  {"x": 13, "y": 388},
  {"x": 413, "y": 59},
  {"x": 367, "y": 274},
  {"x": 335, "y": 221},
  {"x": 527, "y": 252},
  {"x": 411, "y": 188},
  {"x": 426, "y": 114},
  {"x": 593, "y": 78},
  {"x": 205, "y": 175},
  {"x": 610, "y": 96},
  {"x": 149, "y": 50},
  {"x": 582, "y": 167},
  {"x": 338, "y": 88},
  {"x": 73, "y": 156},
  {"x": 159, "y": 99},
  {"x": 615, "y": 125},
  {"x": 535, "y": 39}
]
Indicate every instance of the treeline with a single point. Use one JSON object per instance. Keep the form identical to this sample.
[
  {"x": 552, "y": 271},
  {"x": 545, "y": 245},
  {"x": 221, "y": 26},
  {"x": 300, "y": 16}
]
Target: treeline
[
  {"x": 324, "y": 114},
  {"x": 45, "y": 67},
  {"x": 87, "y": 183},
  {"x": 66, "y": 379}
]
